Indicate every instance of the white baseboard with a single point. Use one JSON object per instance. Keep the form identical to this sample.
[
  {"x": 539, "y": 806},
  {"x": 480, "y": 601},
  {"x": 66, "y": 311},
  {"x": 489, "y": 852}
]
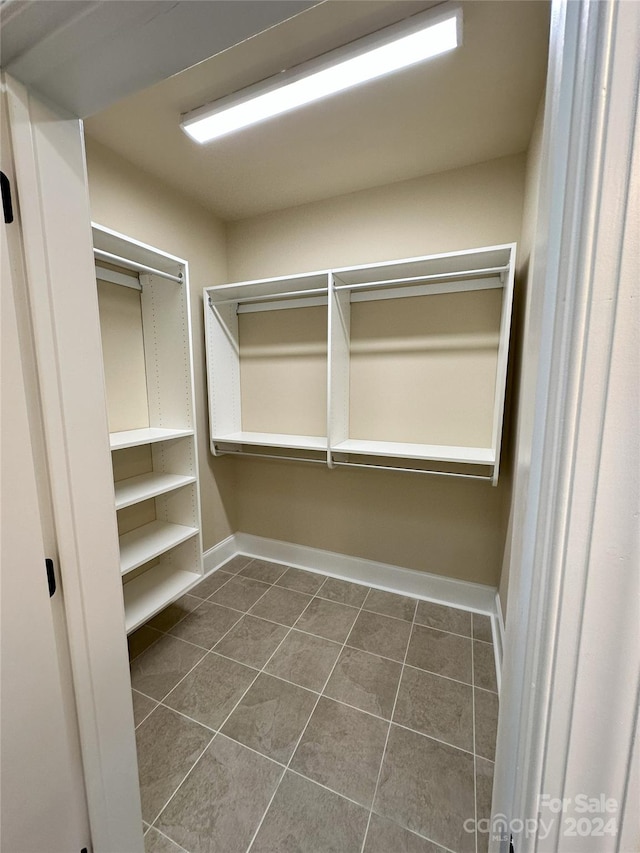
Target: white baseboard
[
  {"x": 219, "y": 554},
  {"x": 476, "y": 597}
]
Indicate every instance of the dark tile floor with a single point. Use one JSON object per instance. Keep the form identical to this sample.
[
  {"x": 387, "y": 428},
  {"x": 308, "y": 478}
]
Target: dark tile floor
[{"x": 278, "y": 710}]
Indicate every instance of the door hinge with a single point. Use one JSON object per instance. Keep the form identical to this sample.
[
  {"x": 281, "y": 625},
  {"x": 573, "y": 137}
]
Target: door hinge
[
  {"x": 51, "y": 576},
  {"x": 7, "y": 204}
]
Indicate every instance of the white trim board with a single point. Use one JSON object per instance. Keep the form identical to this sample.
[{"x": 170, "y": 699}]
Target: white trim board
[{"x": 474, "y": 597}]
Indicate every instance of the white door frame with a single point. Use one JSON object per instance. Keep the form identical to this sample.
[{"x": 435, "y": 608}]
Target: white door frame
[
  {"x": 571, "y": 673},
  {"x": 52, "y": 191}
]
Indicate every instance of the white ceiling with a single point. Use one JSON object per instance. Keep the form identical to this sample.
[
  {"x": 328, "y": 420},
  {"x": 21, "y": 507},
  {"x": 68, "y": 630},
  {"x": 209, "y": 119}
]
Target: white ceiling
[
  {"x": 474, "y": 104},
  {"x": 84, "y": 55}
]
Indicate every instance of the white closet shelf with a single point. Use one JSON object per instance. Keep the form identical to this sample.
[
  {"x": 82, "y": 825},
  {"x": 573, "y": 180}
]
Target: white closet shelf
[
  {"x": 146, "y": 595},
  {"x": 147, "y": 435},
  {"x": 145, "y": 486},
  {"x": 150, "y": 541},
  {"x": 272, "y": 439},
  {"x": 430, "y": 452}
]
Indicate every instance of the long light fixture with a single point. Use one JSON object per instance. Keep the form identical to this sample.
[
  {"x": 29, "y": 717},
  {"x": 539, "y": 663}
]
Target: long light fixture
[{"x": 418, "y": 38}]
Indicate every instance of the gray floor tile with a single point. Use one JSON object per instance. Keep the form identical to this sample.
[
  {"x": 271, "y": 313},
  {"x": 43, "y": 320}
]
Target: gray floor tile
[
  {"x": 482, "y": 628},
  {"x": 305, "y": 818},
  {"x": 342, "y": 748},
  {"x": 328, "y": 619},
  {"x": 220, "y": 805},
  {"x": 157, "y": 670},
  {"x": 281, "y": 605},
  {"x": 385, "y": 836},
  {"x": 444, "y": 618},
  {"x": 484, "y": 666},
  {"x": 301, "y": 581},
  {"x": 344, "y": 592},
  {"x": 154, "y": 842},
  {"x": 428, "y": 787},
  {"x": 142, "y": 706},
  {"x": 390, "y": 604},
  {"x": 236, "y": 564},
  {"x": 252, "y": 641},
  {"x": 206, "y": 625},
  {"x": 436, "y": 706},
  {"x": 140, "y": 641},
  {"x": 211, "y": 691},
  {"x": 380, "y": 635},
  {"x": 305, "y": 660},
  {"x": 240, "y": 593},
  {"x": 486, "y": 706},
  {"x": 261, "y": 570},
  {"x": 211, "y": 583},
  {"x": 439, "y": 652},
  {"x": 366, "y": 681},
  {"x": 484, "y": 792},
  {"x": 174, "y": 613},
  {"x": 168, "y": 746},
  {"x": 271, "y": 716}
]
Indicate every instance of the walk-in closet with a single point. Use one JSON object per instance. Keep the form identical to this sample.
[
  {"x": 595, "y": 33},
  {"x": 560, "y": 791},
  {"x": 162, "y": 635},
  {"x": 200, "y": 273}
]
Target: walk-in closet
[{"x": 312, "y": 337}]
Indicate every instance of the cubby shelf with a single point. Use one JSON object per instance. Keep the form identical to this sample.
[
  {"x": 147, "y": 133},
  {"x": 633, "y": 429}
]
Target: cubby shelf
[
  {"x": 271, "y": 439},
  {"x": 444, "y": 319},
  {"x": 146, "y": 435},
  {"x": 143, "y": 544},
  {"x": 428, "y": 452},
  {"x": 149, "y": 593},
  {"x": 134, "y": 490}
]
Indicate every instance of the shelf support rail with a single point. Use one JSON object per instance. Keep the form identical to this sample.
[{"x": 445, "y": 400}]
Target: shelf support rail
[
  {"x": 421, "y": 279},
  {"x": 134, "y": 265},
  {"x": 271, "y": 297}
]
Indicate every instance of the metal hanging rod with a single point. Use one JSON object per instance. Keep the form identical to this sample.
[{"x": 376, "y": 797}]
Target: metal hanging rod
[
  {"x": 351, "y": 464},
  {"x": 450, "y": 276},
  {"x": 134, "y": 265},
  {"x": 412, "y": 470},
  {"x": 271, "y": 297},
  {"x": 269, "y": 456}
]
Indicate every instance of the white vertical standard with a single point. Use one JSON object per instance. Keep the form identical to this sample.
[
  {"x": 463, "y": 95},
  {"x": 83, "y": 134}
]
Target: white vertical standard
[{"x": 338, "y": 369}]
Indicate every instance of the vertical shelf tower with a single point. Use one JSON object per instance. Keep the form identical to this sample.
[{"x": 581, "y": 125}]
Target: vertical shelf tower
[{"x": 155, "y": 461}]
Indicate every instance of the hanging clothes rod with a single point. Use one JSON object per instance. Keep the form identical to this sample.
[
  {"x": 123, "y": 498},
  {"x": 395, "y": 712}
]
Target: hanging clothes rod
[
  {"x": 268, "y": 456},
  {"x": 134, "y": 265},
  {"x": 417, "y": 279},
  {"x": 412, "y": 470},
  {"x": 352, "y": 464},
  {"x": 271, "y": 297}
]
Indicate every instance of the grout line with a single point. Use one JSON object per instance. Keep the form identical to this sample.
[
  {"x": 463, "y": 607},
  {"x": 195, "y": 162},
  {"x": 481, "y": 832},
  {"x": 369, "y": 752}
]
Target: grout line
[
  {"x": 175, "y": 843},
  {"x": 153, "y": 822},
  {"x": 297, "y": 744},
  {"x": 473, "y": 723},
  {"x": 386, "y": 742}
]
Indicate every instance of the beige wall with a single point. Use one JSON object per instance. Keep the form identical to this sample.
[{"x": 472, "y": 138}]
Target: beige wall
[
  {"x": 449, "y": 527},
  {"x": 128, "y": 200},
  {"x": 527, "y": 320}
]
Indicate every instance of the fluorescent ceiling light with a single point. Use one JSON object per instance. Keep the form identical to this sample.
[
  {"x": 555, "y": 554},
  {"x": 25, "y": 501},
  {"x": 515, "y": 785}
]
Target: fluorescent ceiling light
[{"x": 392, "y": 49}]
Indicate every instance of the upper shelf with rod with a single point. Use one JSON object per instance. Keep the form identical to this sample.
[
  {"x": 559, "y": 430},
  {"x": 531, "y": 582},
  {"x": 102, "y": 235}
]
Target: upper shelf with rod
[{"x": 416, "y": 359}]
